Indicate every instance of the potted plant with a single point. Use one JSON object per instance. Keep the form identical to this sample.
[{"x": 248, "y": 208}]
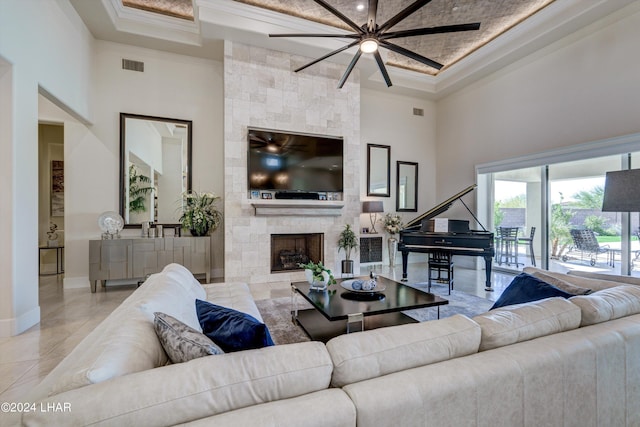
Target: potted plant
[
  {"x": 318, "y": 276},
  {"x": 199, "y": 214},
  {"x": 347, "y": 241}
]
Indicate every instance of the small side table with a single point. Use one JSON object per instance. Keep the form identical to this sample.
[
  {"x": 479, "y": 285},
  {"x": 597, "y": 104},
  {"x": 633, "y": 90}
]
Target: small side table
[{"x": 59, "y": 258}]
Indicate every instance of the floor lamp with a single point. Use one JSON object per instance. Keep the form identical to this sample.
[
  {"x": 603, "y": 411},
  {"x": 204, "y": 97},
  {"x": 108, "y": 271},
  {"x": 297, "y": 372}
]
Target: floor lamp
[
  {"x": 622, "y": 191},
  {"x": 372, "y": 208}
]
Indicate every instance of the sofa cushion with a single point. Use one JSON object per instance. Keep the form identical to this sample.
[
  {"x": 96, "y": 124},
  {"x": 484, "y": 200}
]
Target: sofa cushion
[
  {"x": 557, "y": 280},
  {"x": 180, "y": 342},
  {"x": 526, "y": 288},
  {"x": 599, "y": 281},
  {"x": 232, "y": 330},
  {"x": 369, "y": 354},
  {"x": 608, "y": 304},
  {"x": 128, "y": 342},
  {"x": 235, "y": 295},
  {"x": 200, "y": 388},
  {"x": 523, "y": 322}
]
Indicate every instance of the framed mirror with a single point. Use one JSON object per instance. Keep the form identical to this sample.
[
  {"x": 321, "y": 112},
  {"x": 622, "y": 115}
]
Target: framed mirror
[
  {"x": 378, "y": 170},
  {"x": 407, "y": 187},
  {"x": 155, "y": 168}
]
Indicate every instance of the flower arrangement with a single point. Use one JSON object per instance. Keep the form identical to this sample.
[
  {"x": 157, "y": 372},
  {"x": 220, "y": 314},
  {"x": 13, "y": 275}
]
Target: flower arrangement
[
  {"x": 199, "y": 214},
  {"x": 316, "y": 270},
  {"x": 392, "y": 223}
]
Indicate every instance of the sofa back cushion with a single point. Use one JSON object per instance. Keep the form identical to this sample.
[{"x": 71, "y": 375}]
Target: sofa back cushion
[
  {"x": 363, "y": 355},
  {"x": 127, "y": 341},
  {"x": 200, "y": 388},
  {"x": 558, "y": 280},
  {"x": 594, "y": 282},
  {"x": 523, "y": 322},
  {"x": 608, "y": 304}
]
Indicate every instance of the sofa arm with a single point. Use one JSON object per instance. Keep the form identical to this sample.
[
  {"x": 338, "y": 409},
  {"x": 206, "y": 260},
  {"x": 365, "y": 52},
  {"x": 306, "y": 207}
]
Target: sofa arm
[{"x": 196, "y": 389}]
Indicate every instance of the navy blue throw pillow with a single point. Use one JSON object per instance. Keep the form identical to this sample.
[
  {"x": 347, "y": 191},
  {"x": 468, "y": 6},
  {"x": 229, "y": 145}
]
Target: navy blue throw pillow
[
  {"x": 527, "y": 288},
  {"x": 232, "y": 330}
]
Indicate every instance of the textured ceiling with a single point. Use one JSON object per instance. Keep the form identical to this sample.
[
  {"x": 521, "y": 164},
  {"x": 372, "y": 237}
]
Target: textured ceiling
[
  {"x": 182, "y": 9},
  {"x": 495, "y": 16}
]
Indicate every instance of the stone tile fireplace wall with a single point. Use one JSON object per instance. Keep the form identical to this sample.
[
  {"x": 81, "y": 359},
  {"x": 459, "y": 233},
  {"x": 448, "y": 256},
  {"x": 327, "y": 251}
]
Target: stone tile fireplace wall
[{"x": 261, "y": 90}]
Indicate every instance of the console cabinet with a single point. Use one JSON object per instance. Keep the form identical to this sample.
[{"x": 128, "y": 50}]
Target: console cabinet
[{"x": 137, "y": 258}]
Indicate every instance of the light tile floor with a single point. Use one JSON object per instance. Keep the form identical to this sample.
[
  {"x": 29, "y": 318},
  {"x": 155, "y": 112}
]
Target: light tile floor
[{"x": 69, "y": 315}]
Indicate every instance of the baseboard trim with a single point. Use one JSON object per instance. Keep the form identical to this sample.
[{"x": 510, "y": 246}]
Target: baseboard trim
[{"x": 17, "y": 325}]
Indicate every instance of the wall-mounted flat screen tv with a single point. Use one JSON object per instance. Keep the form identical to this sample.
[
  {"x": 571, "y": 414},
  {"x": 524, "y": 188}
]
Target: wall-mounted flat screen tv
[{"x": 285, "y": 161}]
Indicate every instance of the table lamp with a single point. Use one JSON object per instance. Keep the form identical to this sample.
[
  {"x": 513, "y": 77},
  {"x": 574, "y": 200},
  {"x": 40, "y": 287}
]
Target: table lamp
[
  {"x": 622, "y": 191},
  {"x": 372, "y": 208}
]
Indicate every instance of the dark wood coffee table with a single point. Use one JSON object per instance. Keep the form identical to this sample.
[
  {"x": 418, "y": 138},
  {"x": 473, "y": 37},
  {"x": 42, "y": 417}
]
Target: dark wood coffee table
[{"x": 342, "y": 311}]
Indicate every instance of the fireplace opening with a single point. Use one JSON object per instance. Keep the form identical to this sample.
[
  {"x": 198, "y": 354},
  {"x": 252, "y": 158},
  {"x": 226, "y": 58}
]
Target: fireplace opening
[{"x": 289, "y": 250}]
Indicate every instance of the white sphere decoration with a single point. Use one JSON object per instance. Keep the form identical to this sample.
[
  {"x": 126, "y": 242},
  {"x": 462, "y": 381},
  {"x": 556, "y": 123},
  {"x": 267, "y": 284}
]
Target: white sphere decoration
[{"x": 111, "y": 222}]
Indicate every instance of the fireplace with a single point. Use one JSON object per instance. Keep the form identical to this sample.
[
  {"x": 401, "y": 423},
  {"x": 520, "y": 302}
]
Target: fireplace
[{"x": 289, "y": 250}]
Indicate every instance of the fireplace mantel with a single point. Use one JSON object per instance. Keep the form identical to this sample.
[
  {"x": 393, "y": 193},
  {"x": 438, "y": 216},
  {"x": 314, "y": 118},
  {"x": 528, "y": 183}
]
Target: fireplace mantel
[{"x": 297, "y": 207}]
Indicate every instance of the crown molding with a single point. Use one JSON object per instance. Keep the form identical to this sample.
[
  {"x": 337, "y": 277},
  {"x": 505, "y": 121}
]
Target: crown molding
[{"x": 143, "y": 23}]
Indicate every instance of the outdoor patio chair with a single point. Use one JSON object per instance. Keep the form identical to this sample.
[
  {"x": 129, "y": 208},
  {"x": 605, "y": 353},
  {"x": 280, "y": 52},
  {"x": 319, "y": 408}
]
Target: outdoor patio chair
[
  {"x": 529, "y": 242},
  {"x": 585, "y": 242}
]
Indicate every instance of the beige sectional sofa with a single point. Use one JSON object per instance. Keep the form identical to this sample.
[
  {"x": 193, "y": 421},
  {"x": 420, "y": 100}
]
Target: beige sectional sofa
[{"x": 551, "y": 362}]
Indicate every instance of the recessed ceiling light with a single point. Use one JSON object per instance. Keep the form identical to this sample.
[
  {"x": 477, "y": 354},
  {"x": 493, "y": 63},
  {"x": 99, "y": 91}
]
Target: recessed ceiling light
[{"x": 360, "y": 6}]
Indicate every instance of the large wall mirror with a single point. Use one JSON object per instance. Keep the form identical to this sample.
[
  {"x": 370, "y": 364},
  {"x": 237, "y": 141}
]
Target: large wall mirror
[
  {"x": 155, "y": 168},
  {"x": 378, "y": 170},
  {"x": 407, "y": 187}
]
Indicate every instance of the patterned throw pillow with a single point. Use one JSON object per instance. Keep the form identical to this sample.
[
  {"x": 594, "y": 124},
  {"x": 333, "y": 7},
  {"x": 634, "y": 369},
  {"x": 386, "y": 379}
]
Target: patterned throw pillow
[
  {"x": 232, "y": 330},
  {"x": 181, "y": 342}
]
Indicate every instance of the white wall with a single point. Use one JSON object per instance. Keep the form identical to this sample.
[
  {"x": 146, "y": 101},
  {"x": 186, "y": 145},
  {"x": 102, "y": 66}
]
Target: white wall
[
  {"x": 172, "y": 86},
  {"x": 27, "y": 35},
  {"x": 388, "y": 119},
  {"x": 584, "y": 88}
]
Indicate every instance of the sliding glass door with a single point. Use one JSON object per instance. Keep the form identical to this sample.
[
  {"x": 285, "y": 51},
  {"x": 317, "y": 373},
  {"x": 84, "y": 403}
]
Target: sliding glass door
[
  {"x": 562, "y": 202},
  {"x": 581, "y": 236}
]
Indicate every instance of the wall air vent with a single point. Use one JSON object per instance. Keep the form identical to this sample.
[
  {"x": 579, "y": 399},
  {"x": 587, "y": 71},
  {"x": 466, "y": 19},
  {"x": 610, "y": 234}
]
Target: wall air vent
[
  {"x": 418, "y": 112},
  {"x": 130, "y": 64}
]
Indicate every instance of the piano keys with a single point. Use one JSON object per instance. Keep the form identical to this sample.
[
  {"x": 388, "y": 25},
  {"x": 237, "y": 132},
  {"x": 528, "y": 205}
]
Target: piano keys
[{"x": 419, "y": 236}]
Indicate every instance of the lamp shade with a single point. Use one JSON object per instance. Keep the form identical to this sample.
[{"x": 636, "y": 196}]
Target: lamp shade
[
  {"x": 372, "y": 207},
  {"x": 622, "y": 191}
]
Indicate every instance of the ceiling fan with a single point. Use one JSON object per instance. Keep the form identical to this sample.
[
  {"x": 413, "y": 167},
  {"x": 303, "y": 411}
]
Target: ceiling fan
[{"x": 371, "y": 36}]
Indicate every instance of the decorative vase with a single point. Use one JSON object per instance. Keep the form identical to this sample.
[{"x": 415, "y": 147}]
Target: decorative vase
[
  {"x": 393, "y": 249},
  {"x": 315, "y": 285}
]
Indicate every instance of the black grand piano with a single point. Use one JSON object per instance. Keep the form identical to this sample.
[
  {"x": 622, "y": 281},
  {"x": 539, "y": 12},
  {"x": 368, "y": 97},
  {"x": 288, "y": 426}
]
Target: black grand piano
[{"x": 422, "y": 234}]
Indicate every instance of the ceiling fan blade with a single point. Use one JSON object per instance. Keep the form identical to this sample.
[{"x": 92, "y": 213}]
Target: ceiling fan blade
[
  {"x": 337, "y": 13},
  {"x": 431, "y": 30},
  {"x": 383, "y": 69},
  {"x": 373, "y": 11},
  {"x": 400, "y": 16},
  {"x": 352, "y": 64},
  {"x": 328, "y": 55},
  {"x": 347, "y": 36},
  {"x": 410, "y": 54}
]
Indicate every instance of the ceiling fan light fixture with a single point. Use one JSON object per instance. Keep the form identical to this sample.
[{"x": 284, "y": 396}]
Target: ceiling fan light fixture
[{"x": 369, "y": 45}]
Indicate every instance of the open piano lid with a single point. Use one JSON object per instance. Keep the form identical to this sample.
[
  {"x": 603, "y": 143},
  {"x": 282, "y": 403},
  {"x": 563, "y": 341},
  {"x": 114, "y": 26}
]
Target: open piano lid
[{"x": 442, "y": 207}]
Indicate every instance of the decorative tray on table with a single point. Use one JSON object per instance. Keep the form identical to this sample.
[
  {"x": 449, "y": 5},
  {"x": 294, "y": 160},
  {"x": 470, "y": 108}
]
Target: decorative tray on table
[{"x": 363, "y": 286}]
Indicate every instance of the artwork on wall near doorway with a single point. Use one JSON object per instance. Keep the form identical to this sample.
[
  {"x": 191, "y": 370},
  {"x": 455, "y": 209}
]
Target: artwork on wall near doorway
[{"x": 57, "y": 188}]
